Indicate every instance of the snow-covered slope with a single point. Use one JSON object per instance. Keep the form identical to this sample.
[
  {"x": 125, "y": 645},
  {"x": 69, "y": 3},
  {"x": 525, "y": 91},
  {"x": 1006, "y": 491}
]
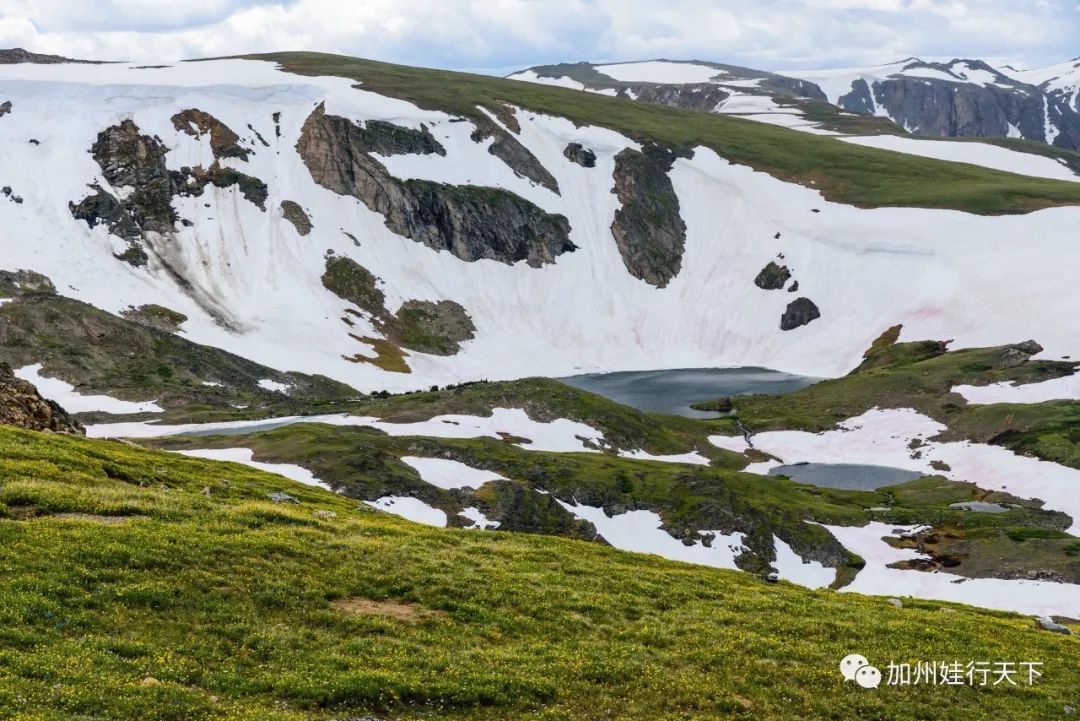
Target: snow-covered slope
[{"x": 250, "y": 282}]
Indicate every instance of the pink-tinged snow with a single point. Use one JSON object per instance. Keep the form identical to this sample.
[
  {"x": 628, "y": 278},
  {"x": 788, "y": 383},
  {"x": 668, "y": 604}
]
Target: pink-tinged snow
[
  {"x": 412, "y": 509},
  {"x": 693, "y": 458},
  {"x": 882, "y": 437},
  {"x": 246, "y": 457},
  {"x": 74, "y": 402},
  {"x": 558, "y": 436},
  {"x": 449, "y": 474},
  {"x": 975, "y": 153},
  {"x": 866, "y": 269},
  {"x": 1057, "y": 389},
  {"x": 661, "y": 71},
  {"x": 480, "y": 521},
  {"x": 1038, "y": 598},
  {"x": 642, "y": 532},
  {"x": 791, "y": 567}
]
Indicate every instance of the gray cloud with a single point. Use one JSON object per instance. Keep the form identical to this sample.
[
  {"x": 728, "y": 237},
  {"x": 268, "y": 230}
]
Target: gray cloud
[{"x": 513, "y": 33}]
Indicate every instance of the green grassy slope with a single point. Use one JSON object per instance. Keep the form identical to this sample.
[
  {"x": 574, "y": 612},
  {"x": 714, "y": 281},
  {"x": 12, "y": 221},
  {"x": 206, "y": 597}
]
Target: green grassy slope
[
  {"x": 842, "y": 172},
  {"x": 226, "y": 606}
]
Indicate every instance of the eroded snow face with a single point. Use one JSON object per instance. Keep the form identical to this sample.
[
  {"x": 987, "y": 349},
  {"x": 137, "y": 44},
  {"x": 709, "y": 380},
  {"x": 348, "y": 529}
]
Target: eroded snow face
[
  {"x": 642, "y": 531},
  {"x": 246, "y": 457},
  {"x": 74, "y": 402}
]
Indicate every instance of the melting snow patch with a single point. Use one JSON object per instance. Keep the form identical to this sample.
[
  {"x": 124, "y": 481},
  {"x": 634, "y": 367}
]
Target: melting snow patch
[
  {"x": 269, "y": 385},
  {"x": 737, "y": 444},
  {"x": 1041, "y": 598},
  {"x": 641, "y": 531},
  {"x": 478, "y": 518},
  {"x": 412, "y": 509},
  {"x": 74, "y": 402},
  {"x": 246, "y": 457},
  {"x": 693, "y": 458},
  {"x": 792, "y": 567},
  {"x": 450, "y": 474},
  {"x": 1057, "y": 389}
]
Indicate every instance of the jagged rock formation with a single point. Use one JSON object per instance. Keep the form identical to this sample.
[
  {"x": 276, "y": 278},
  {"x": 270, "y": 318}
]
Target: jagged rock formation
[
  {"x": 223, "y": 141},
  {"x": 382, "y": 138},
  {"x": 471, "y": 222},
  {"x": 129, "y": 159},
  {"x": 648, "y": 229},
  {"x": 21, "y": 405},
  {"x": 578, "y": 153},
  {"x": 772, "y": 277},
  {"x": 520, "y": 159},
  {"x": 799, "y": 312},
  {"x": 293, "y": 213}
]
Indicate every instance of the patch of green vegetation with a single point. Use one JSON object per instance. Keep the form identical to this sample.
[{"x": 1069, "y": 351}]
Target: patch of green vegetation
[
  {"x": 156, "y": 316},
  {"x": 227, "y": 606},
  {"x": 436, "y": 328},
  {"x": 843, "y": 172},
  {"x": 388, "y": 356},
  {"x": 350, "y": 281}
]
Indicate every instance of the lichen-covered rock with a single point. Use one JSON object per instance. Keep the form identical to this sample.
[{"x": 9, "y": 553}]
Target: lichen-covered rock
[
  {"x": 223, "y": 141},
  {"x": 799, "y": 312},
  {"x": 648, "y": 229},
  {"x": 578, "y": 153},
  {"x": 772, "y": 277},
  {"x": 21, "y": 405},
  {"x": 471, "y": 222},
  {"x": 192, "y": 181},
  {"x": 508, "y": 149},
  {"x": 293, "y": 213},
  {"x": 438, "y": 328}
]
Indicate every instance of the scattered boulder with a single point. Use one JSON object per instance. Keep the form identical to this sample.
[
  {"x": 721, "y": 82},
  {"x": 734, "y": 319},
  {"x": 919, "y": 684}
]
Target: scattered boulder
[
  {"x": 648, "y": 229},
  {"x": 773, "y": 277},
  {"x": 296, "y": 215},
  {"x": 800, "y": 312},
  {"x": 325, "y": 515},
  {"x": 1048, "y": 624},
  {"x": 279, "y": 497},
  {"x": 578, "y": 153},
  {"x": 896, "y": 603},
  {"x": 8, "y": 193},
  {"x": 794, "y": 287},
  {"x": 21, "y": 405}
]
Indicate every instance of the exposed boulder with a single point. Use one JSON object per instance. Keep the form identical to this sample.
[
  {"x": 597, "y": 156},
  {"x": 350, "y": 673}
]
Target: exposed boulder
[
  {"x": 21, "y": 405},
  {"x": 471, "y": 222},
  {"x": 772, "y": 277},
  {"x": 509, "y": 149},
  {"x": 648, "y": 229},
  {"x": 5, "y": 108},
  {"x": 800, "y": 312},
  {"x": 578, "y": 153},
  {"x": 293, "y": 213},
  {"x": 223, "y": 141}
]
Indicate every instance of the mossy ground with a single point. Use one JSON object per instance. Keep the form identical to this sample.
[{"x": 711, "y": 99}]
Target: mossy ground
[{"x": 227, "y": 606}]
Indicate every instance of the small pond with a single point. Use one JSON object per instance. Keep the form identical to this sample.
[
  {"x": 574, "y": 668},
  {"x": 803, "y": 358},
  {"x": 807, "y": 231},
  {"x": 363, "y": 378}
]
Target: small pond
[
  {"x": 672, "y": 391},
  {"x": 980, "y": 507},
  {"x": 846, "y": 476}
]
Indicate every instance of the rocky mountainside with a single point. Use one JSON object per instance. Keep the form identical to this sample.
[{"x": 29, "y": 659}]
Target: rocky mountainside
[
  {"x": 21, "y": 405},
  {"x": 957, "y": 99}
]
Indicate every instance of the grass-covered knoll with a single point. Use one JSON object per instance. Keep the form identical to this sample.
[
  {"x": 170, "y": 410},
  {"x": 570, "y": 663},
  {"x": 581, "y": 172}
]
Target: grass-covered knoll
[
  {"x": 845, "y": 173},
  {"x": 135, "y": 358},
  {"x": 227, "y": 606}
]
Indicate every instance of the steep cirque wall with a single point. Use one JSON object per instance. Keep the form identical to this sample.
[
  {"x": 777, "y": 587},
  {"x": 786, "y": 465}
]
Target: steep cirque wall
[{"x": 418, "y": 198}]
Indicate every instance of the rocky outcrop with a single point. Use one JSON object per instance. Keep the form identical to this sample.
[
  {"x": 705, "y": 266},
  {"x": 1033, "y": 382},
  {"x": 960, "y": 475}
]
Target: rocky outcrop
[
  {"x": 695, "y": 96},
  {"x": 800, "y": 312},
  {"x": 223, "y": 141},
  {"x": 471, "y": 222},
  {"x": 387, "y": 139},
  {"x": 293, "y": 213},
  {"x": 772, "y": 277},
  {"x": 155, "y": 316},
  {"x": 578, "y": 153},
  {"x": 648, "y": 229},
  {"x": 5, "y": 108},
  {"x": 136, "y": 162},
  {"x": 508, "y": 149},
  {"x": 21, "y": 405}
]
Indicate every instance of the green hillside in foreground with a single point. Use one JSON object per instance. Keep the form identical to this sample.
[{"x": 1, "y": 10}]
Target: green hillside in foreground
[
  {"x": 842, "y": 172},
  {"x": 142, "y": 585}
]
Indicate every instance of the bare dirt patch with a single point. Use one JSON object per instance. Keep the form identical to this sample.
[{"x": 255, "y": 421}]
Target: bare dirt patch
[{"x": 400, "y": 610}]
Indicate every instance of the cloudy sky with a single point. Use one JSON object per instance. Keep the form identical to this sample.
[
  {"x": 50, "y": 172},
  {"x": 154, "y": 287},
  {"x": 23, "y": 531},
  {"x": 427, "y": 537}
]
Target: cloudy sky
[{"x": 500, "y": 35}]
